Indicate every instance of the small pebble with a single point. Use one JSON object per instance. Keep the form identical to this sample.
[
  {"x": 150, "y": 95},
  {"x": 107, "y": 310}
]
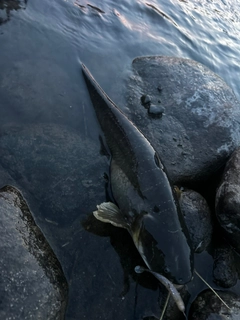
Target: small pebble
[
  {"x": 146, "y": 100},
  {"x": 156, "y": 110}
]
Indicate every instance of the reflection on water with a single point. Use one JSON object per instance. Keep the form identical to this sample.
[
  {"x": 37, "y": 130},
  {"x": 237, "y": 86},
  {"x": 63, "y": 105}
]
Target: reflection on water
[
  {"x": 160, "y": 12},
  {"x": 78, "y": 4},
  {"x": 7, "y": 6}
]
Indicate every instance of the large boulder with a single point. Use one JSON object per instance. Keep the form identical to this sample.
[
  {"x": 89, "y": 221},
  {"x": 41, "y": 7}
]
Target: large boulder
[
  {"x": 32, "y": 282},
  {"x": 190, "y": 114}
]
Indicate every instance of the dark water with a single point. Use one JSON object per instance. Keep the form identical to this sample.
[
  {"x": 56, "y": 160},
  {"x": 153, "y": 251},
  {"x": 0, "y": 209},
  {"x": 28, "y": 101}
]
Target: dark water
[{"x": 41, "y": 46}]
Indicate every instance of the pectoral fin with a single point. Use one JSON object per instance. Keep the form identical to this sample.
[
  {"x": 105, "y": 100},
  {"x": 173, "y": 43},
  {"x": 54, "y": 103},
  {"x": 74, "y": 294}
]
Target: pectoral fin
[{"x": 110, "y": 213}]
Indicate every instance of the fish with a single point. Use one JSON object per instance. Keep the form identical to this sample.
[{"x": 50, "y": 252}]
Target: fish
[{"x": 144, "y": 201}]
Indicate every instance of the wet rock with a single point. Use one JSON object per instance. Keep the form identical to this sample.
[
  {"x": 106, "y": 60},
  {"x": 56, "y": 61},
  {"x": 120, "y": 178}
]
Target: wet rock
[
  {"x": 199, "y": 129},
  {"x": 197, "y": 216},
  {"x": 155, "y": 110},
  {"x": 146, "y": 100},
  {"x": 228, "y": 200},
  {"x": 224, "y": 268},
  {"x": 32, "y": 282},
  {"x": 208, "y": 307}
]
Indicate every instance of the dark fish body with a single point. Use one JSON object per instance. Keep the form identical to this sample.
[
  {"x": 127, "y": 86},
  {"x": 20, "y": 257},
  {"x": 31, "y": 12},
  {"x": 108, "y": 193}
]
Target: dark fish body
[{"x": 148, "y": 207}]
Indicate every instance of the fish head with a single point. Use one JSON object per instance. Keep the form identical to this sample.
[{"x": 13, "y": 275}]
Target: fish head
[{"x": 164, "y": 248}]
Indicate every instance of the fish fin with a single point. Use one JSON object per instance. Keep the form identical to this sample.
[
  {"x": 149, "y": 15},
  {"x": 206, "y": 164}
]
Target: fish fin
[
  {"x": 177, "y": 191},
  {"x": 110, "y": 213}
]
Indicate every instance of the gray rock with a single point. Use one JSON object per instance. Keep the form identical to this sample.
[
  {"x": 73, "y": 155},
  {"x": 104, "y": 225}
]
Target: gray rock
[
  {"x": 224, "y": 268},
  {"x": 146, "y": 100},
  {"x": 197, "y": 216},
  {"x": 208, "y": 307},
  {"x": 200, "y": 127},
  {"x": 32, "y": 282},
  {"x": 156, "y": 110},
  {"x": 228, "y": 200}
]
